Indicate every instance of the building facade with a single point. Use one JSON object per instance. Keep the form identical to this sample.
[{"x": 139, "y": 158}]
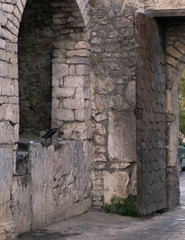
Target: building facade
[{"x": 105, "y": 73}]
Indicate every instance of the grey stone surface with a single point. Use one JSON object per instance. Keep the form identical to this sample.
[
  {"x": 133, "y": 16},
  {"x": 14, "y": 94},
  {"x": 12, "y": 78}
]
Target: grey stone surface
[
  {"x": 77, "y": 72},
  {"x": 54, "y": 182},
  {"x": 99, "y": 225}
]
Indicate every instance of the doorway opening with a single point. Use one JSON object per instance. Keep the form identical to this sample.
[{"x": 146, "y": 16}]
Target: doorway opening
[
  {"x": 35, "y": 47},
  {"x": 181, "y": 148},
  {"x": 160, "y": 60}
]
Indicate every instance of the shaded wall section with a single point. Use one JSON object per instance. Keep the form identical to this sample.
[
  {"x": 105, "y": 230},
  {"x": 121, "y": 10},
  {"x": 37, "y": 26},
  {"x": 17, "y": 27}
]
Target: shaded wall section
[
  {"x": 35, "y": 69},
  {"x": 151, "y": 117}
]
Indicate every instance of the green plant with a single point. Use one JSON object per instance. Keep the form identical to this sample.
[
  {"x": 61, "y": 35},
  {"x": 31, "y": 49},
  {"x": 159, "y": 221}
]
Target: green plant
[{"x": 122, "y": 206}]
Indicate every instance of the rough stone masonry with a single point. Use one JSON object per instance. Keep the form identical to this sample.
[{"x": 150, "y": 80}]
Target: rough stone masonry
[{"x": 87, "y": 68}]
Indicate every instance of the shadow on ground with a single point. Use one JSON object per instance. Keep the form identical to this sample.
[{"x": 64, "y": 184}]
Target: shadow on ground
[{"x": 45, "y": 234}]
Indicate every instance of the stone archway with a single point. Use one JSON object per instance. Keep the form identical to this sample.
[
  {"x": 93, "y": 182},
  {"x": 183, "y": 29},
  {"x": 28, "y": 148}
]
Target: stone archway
[
  {"x": 170, "y": 43},
  {"x": 54, "y": 67},
  {"x": 69, "y": 61}
]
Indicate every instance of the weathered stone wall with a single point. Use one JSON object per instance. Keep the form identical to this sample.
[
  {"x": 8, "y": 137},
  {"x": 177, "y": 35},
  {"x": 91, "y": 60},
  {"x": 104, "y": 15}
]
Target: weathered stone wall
[
  {"x": 113, "y": 93},
  {"x": 89, "y": 64},
  {"x": 51, "y": 182},
  {"x": 54, "y": 67},
  {"x": 70, "y": 23},
  {"x": 9, "y": 109},
  {"x": 113, "y": 103}
]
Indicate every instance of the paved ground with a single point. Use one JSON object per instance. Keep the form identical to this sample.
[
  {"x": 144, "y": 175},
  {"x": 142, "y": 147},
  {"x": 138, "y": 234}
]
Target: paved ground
[{"x": 102, "y": 226}]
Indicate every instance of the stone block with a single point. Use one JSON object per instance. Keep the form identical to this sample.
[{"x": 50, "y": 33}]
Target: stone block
[
  {"x": 17, "y": 13},
  {"x": 180, "y": 47},
  {"x": 174, "y": 52},
  {"x": 80, "y": 93},
  {"x": 6, "y": 156},
  {"x": 79, "y": 53},
  {"x": 77, "y": 130},
  {"x": 73, "y": 103},
  {"x": 63, "y": 92},
  {"x": 65, "y": 115},
  {"x": 9, "y": 112},
  {"x": 56, "y": 82},
  {"x": 115, "y": 184},
  {"x": 8, "y": 87},
  {"x": 74, "y": 81},
  {"x": 99, "y": 139},
  {"x": 100, "y": 117},
  {"x": 3, "y": 69},
  {"x": 4, "y": 56},
  {"x": 131, "y": 92},
  {"x": 96, "y": 40},
  {"x": 113, "y": 34},
  {"x": 60, "y": 70},
  {"x": 100, "y": 158},
  {"x": 3, "y": 18},
  {"x": 100, "y": 149},
  {"x": 88, "y": 114},
  {"x": 100, "y": 129},
  {"x": 65, "y": 45},
  {"x": 79, "y": 36},
  {"x": 12, "y": 28},
  {"x": 2, "y": 44},
  {"x": 12, "y": 57},
  {"x": 12, "y": 47},
  {"x": 59, "y": 179},
  {"x": 7, "y": 7},
  {"x": 58, "y": 21},
  {"x": 82, "y": 45},
  {"x": 82, "y": 69},
  {"x": 105, "y": 85},
  {"x": 72, "y": 70},
  {"x": 78, "y": 60},
  {"x": 80, "y": 115},
  {"x": 119, "y": 165},
  {"x": 13, "y": 71},
  {"x": 121, "y": 136},
  {"x": 20, "y": 6}
]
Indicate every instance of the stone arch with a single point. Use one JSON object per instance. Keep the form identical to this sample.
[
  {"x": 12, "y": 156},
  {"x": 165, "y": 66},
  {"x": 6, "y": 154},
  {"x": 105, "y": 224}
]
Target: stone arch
[
  {"x": 175, "y": 64},
  {"x": 70, "y": 66},
  {"x": 70, "y": 90},
  {"x": 173, "y": 49}
]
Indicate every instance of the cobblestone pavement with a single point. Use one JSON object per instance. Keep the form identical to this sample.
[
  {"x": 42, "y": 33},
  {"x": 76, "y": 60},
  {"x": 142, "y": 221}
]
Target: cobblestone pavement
[{"x": 102, "y": 226}]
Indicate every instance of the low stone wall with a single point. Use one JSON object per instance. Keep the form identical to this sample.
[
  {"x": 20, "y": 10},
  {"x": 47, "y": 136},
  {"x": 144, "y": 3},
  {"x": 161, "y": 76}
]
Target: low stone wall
[{"x": 51, "y": 183}]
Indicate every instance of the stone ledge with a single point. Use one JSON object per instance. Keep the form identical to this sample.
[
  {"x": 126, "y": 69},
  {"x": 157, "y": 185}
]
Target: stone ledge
[{"x": 166, "y": 12}]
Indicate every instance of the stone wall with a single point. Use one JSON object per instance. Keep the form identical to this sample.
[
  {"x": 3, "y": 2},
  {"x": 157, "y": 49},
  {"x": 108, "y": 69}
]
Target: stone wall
[
  {"x": 113, "y": 103},
  {"x": 43, "y": 62},
  {"x": 54, "y": 67},
  {"x": 53, "y": 181},
  {"x": 89, "y": 68}
]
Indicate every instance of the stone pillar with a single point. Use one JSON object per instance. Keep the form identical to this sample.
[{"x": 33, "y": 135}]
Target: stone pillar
[{"x": 7, "y": 225}]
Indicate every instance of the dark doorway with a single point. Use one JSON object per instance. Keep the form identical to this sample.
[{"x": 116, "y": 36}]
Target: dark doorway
[{"x": 35, "y": 68}]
